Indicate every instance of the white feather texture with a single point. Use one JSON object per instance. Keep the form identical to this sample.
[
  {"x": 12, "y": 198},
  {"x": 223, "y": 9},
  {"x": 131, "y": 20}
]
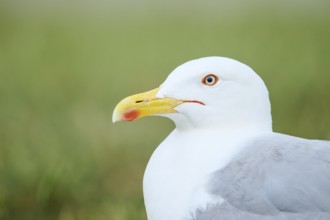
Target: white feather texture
[{"x": 206, "y": 137}]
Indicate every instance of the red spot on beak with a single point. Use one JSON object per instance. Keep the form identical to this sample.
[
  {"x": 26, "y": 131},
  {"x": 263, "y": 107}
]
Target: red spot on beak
[{"x": 130, "y": 115}]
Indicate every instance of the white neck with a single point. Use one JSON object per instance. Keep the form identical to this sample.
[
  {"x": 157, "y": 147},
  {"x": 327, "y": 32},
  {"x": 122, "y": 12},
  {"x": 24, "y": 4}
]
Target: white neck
[{"x": 176, "y": 173}]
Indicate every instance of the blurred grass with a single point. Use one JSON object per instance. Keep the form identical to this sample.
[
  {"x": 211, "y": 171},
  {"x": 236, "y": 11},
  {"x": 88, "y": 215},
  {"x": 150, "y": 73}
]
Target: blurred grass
[{"x": 61, "y": 76}]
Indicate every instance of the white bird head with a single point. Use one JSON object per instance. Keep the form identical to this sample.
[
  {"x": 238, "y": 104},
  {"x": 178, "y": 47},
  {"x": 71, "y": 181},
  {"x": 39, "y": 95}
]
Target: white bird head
[{"x": 207, "y": 92}]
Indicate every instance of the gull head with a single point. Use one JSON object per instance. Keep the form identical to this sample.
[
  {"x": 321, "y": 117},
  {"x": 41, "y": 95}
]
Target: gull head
[{"x": 210, "y": 92}]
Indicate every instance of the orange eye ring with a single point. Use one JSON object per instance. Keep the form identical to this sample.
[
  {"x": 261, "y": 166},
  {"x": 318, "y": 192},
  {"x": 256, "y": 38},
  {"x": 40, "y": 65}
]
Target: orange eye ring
[{"x": 210, "y": 80}]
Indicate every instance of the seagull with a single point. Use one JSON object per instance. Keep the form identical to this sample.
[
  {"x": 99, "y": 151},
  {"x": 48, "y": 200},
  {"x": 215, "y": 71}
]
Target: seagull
[{"x": 223, "y": 160}]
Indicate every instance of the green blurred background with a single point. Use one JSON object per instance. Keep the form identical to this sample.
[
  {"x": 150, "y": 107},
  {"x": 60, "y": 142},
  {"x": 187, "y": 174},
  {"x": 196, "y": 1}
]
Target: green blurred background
[{"x": 65, "y": 64}]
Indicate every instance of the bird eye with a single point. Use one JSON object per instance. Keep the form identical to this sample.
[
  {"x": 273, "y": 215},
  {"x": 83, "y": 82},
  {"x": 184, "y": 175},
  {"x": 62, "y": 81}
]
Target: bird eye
[{"x": 210, "y": 80}]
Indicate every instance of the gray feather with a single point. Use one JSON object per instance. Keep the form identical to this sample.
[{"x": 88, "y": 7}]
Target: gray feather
[
  {"x": 226, "y": 211},
  {"x": 276, "y": 177}
]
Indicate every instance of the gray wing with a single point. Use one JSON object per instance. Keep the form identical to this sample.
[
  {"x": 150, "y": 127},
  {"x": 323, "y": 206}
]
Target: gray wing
[{"x": 276, "y": 177}]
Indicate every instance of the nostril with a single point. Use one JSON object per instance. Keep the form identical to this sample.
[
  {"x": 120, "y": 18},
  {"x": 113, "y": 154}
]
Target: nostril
[{"x": 139, "y": 101}]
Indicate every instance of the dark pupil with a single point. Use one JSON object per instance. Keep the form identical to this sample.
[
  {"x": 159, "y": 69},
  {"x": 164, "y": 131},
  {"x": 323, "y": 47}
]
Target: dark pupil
[{"x": 209, "y": 79}]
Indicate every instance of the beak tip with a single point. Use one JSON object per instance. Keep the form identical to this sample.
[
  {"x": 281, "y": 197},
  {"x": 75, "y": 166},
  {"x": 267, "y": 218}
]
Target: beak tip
[{"x": 115, "y": 117}]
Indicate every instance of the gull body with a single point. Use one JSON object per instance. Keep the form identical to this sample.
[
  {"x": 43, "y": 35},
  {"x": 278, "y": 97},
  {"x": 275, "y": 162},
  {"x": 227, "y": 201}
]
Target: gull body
[{"x": 175, "y": 181}]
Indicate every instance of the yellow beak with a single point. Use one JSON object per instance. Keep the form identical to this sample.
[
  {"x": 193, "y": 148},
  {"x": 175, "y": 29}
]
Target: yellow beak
[{"x": 143, "y": 104}]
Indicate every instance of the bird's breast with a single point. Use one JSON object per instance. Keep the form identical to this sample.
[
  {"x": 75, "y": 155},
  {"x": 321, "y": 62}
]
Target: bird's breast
[{"x": 175, "y": 179}]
